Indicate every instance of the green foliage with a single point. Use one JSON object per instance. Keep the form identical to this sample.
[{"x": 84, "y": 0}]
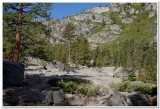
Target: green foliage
[
  {"x": 115, "y": 18},
  {"x": 135, "y": 48},
  {"x": 87, "y": 89},
  {"x": 31, "y": 29},
  {"x": 69, "y": 32},
  {"x": 131, "y": 77},
  {"x": 74, "y": 86},
  {"x": 67, "y": 86},
  {"x": 80, "y": 51},
  {"x": 123, "y": 86},
  {"x": 60, "y": 52},
  {"x": 128, "y": 86}
]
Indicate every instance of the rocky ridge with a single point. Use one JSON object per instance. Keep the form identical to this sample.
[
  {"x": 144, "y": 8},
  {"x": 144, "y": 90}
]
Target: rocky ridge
[{"x": 89, "y": 23}]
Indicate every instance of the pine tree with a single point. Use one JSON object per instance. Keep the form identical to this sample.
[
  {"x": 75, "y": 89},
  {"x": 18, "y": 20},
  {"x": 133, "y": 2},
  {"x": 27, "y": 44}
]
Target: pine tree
[
  {"x": 84, "y": 52},
  {"x": 69, "y": 34},
  {"x": 21, "y": 15},
  {"x": 60, "y": 52}
]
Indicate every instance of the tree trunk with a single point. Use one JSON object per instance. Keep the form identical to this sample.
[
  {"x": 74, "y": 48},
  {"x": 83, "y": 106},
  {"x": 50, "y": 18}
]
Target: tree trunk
[
  {"x": 18, "y": 35},
  {"x": 69, "y": 52}
]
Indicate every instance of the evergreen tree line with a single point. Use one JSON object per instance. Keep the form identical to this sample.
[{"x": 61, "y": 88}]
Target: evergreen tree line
[
  {"x": 79, "y": 51},
  {"x": 138, "y": 55}
]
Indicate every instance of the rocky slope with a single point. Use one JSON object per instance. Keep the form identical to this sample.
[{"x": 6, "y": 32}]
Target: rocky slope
[{"x": 102, "y": 24}]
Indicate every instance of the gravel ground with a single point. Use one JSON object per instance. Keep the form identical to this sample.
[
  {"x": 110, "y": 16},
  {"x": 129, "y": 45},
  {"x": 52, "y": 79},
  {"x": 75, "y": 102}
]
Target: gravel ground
[{"x": 92, "y": 74}]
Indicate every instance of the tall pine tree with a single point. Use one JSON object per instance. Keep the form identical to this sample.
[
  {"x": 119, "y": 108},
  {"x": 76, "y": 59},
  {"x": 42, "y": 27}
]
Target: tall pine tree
[
  {"x": 69, "y": 34},
  {"x": 18, "y": 16}
]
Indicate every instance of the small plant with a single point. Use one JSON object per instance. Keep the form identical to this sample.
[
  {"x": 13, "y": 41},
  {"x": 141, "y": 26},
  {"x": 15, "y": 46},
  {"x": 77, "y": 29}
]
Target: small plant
[
  {"x": 67, "y": 86},
  {"x": 123, "y": 86},
  {"x": 131, "y": 77},
  {"x": 87, "y": 89}
]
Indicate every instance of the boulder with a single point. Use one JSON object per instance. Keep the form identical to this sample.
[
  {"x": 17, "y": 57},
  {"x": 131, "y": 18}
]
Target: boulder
[
  {"x": 53, "y": 96},
  {"x": 109, "y": 71},
  {"x": 92, "y": 63},
  {"x": 54, "y": 65},
  {"x": 58, "y": 97},
  {"x": 74, "y": 100},
  {"x": 60, "y": 66},
  {"x": 122, "y": 72},
  {"x": 50, "y": 66},
  {"x": 116, "y": 97},
  {"x": 22, "y": 96},
  {"x": 151, "y": 14},
  {"x": 13, "y": 73}
]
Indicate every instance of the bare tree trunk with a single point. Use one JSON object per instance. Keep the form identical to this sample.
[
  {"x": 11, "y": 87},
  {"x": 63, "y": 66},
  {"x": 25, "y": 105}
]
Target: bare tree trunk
[{"x": 18, "y": 34}]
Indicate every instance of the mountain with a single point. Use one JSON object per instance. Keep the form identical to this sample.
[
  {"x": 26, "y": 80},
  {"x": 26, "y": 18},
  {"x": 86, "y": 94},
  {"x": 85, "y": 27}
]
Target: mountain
[{"x": 103, "y": 24}]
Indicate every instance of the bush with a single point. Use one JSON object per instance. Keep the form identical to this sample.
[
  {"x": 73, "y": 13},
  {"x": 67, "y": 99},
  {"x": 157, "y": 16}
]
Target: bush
[
  {"x": 131, "y": 77},
  {"x": 75, "y": 87},
  {"x": 142, "y": 87},
  {"x": 128, "y": 86},
  {"x": 87, "y": 89},
  {"x": 123, "y": 86},
  {"x": 67, "y": 86}
]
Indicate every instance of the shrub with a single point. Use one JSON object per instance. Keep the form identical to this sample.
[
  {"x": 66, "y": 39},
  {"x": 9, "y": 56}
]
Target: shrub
[
  {"x": 87, "y": 89},
  {"x": 123, "y": 86},
  {"x": 142, "y": 87},
  {"x": 67, "y": 86},
  {"x": 131, "y": 77},
  {"x": 73, "y": 86},
  {"x": 129, "y": 86}
]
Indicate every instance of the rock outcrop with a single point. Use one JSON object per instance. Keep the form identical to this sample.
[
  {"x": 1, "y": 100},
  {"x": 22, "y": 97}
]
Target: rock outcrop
[{"x": 101, "y": 24}]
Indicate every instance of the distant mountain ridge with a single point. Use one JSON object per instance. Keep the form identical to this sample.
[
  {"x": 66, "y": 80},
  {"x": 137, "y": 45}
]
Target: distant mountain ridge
[{"x": 103, "y": 24}]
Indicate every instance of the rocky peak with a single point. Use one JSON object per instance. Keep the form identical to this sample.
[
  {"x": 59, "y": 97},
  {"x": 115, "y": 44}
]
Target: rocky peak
[
  {"x": 99, "y": 10},
  {"x": 104, "y": 23}
]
